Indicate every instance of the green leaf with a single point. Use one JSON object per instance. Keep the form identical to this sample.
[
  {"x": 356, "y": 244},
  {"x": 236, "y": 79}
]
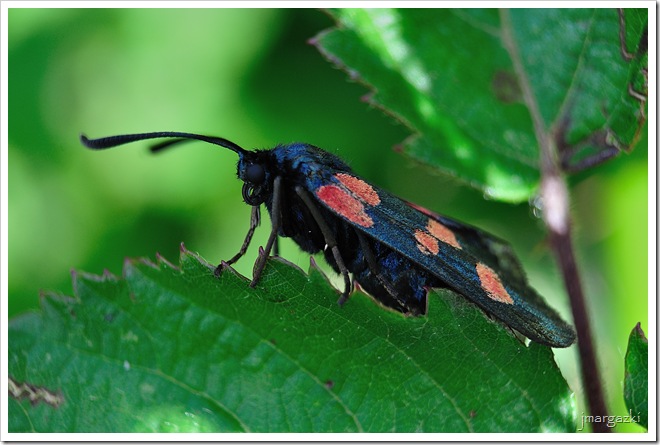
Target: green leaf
[
  {"x": 636, "y": 382},
  {"x": 178, "y": 349},
  {"x": 472, "y": 84}
]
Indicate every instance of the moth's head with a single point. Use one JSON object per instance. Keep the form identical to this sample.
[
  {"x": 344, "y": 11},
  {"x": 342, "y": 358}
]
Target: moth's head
[{"x": 255, "y": 170}]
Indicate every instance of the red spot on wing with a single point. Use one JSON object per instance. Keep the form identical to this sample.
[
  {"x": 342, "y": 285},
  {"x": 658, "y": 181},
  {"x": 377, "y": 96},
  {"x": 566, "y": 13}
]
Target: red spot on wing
[
  {"x": 491, "y": 283},
  {"x": 345, "y": 204},
  {"x": 427, "y": 240},
  {"x": 443, "y": 233},
  {"x": 426, "y": 243},
  {"x": 436, "y": 228},
  {"x": 359, "y": 188}
]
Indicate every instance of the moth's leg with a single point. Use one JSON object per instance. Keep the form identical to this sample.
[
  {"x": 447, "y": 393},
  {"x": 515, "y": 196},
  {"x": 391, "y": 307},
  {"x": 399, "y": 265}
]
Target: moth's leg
[
  {"x": 374, "y": 267},
  {"x": 276, "y": 247},
  {"x": 276, "y": 220},
  {"x": 255, "y": 219},
  {"x": 330, "y": 241}
]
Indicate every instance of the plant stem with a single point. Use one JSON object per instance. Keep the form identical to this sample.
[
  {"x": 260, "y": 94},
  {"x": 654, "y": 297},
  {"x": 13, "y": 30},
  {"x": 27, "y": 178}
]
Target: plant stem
[
  {"x": 554, "y": 195},
  {"x": 563, "y": 249}
]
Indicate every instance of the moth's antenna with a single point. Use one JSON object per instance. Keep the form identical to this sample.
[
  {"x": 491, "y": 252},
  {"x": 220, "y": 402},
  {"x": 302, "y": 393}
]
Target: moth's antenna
[{"x": 113, "y": 141}]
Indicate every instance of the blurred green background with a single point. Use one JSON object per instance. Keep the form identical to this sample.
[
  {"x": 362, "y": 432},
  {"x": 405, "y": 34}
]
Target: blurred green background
[{"x": 249, "y": 75}]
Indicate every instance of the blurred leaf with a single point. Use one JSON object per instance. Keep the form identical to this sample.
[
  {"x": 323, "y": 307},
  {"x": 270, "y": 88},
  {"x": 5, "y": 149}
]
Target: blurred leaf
[
  {"x": 169, "y": 349},
  {"x": 636, "y": 382},
  {"x": 470, "y": 83}
]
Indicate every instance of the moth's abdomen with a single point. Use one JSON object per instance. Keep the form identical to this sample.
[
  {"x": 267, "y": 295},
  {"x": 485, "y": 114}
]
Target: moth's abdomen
[{"x": 397, "y": 283}]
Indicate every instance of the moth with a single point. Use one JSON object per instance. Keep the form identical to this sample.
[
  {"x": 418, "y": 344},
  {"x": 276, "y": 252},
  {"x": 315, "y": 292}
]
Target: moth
[{"x": 395, "y": 250}]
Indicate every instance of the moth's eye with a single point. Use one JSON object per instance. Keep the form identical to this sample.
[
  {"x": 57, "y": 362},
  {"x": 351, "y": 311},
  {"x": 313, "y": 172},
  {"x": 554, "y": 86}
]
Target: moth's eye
[{"x": 255, "y": 174}]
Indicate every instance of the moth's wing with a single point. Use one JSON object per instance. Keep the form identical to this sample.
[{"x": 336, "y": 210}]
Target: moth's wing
[
  {"x": 477, "y": 265},
  {"x": 493, "y": 251}
]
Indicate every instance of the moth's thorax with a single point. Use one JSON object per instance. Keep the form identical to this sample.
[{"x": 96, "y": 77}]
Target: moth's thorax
[
  {"x": 299, "y": 160},
  {"x": 294, "y": 163}
]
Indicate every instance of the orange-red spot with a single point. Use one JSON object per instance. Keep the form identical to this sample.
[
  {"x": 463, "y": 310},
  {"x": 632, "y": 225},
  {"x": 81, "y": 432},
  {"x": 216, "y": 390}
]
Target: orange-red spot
[
  {"x": 345, "y": 204},
  {"x": 426, "y": 243},
  {"x": 491, "y": 283},
  {"x": 443, "y": 233},
  {"x": 359, "y": 188}
]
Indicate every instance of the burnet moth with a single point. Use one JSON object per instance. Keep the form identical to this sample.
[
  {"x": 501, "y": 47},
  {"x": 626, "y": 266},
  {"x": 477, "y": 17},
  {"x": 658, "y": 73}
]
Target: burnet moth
[{"x": 395, "y": 250}]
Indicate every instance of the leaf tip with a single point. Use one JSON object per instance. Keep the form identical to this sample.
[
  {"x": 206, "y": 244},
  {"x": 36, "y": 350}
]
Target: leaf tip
[
  {"x": 639, "y": 332},
  {"x": 368, "y": 98},
  {"x": 314, "y": 41},
  {"x": 162, "y": 261},
  {"x": 130, "y": 263}
]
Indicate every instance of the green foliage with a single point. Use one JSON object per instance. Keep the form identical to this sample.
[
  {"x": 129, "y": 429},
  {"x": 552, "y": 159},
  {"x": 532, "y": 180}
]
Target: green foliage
[
  {"x": 178, "y": 349},
  {"x": 470, "y": 83},
  {"x": 636, "y": 382},
  {"x": 122, "y": 70}
]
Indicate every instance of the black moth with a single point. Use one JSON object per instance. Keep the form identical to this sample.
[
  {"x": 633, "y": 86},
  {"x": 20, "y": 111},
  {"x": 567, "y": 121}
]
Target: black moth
[{"x": 395, "y": 250}]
